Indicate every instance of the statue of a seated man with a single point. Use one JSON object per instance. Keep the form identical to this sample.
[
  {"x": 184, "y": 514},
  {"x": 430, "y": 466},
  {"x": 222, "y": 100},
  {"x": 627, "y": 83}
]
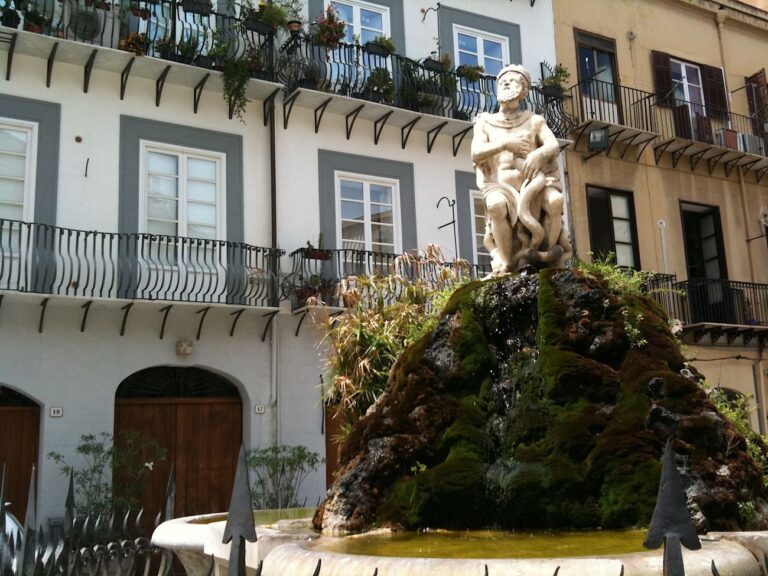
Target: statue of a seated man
[{"x": 515, "y": 157}]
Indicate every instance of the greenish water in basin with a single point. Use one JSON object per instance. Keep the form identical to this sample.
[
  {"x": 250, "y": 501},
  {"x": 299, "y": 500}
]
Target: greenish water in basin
[
  {"x": 487, "y": 544},
  {"x": 263, "y": 517}
]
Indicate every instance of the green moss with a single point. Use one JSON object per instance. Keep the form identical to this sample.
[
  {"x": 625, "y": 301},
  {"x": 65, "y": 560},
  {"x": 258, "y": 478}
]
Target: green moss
[{"x": 629, "y": 499}]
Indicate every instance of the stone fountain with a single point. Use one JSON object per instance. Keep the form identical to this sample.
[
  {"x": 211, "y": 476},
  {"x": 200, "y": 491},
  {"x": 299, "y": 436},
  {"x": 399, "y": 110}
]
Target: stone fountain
[{"x": 543, "y": 399}]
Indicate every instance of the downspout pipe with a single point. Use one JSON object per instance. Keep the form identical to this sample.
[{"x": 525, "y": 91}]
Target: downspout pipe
[
  {"x": 756, "y": 371},
  {"x": 275, "y": 332}
]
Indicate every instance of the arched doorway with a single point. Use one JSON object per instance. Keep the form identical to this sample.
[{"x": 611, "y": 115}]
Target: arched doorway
[
  {"x": 19, "y": 437},
  {"x": 197, "y": 416}
]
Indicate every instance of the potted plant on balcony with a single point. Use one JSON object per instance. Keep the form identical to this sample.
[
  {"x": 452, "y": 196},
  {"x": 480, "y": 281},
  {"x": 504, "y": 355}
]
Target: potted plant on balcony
[
  {"x": 265, "y": 19},
  {"x": 319, "y": 253},
  {"x": 9, "y": 16},
  {"x": 255, "y": 58},
  {"x": 329, "y": 29},
  {"x": 432, "y": 64},
  {"x": 166, "y": 48},
  {"x": 135, "y": 42},
  {"x": 201, "y": 7},
  {"x": 379, "y": 86},
  {"x": 554, "y": 82},
  {"x": 236, "y": 74},
  {"x": 218, "y": 52},
  {"x": 293, "y": 10},
  {"x": 470, "y": 73},
  {"x": 33, "y": 20},
  {"x": 187, "y": 50},
  {"x": 380, "y": 46}
]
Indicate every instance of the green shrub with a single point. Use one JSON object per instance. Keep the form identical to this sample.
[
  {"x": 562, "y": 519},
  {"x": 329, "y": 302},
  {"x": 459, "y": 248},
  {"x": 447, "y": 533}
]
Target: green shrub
[{"x": 277, "y": 474}]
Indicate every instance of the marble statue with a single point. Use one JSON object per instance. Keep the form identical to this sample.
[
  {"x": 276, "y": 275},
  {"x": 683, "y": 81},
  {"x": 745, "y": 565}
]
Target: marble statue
[{"x": 515, "y": 157}]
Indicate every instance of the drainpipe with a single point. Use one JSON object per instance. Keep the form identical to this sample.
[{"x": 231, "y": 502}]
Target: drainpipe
[
  {"x": 275, "y": 332},
  {"x": 663, "y": 234},
  {"x": 720, "y": 18},
  {"x": 756, "y": 370},
  {"x": 745, "y": 215}
]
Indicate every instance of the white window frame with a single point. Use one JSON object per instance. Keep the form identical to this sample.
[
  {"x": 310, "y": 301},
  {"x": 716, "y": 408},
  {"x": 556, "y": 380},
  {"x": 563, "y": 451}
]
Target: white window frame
[
  {"x": 30, "y": 168},
  {"x": 480, "y": 35},
  {"x": 367, "y": 180},
  {"x": 147, "y": 146},
  {"x": 473, "y": 195},
  {"x": 373, "y": 7},
  {"x": 688, "y": 85}
]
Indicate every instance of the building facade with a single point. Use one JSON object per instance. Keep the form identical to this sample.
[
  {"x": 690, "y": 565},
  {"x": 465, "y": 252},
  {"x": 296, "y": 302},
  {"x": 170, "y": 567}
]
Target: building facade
[
  {"x": 669, "y": 163},
  {"x": 154, "y": 266}
]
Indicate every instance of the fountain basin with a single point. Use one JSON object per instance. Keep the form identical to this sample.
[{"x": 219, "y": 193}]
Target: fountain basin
[{"x": 289, "y": 547}]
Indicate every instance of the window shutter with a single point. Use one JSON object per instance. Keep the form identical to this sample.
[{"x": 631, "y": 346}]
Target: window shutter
[
  {"x": 600, "y": 228},
  {"x": 662, "y": 78},
  {"x": 704, "y": 128},
  {"x": 714, "y": 92},
  {"x": 757, "y": 96},
  {"x": 682, "y": 119}
]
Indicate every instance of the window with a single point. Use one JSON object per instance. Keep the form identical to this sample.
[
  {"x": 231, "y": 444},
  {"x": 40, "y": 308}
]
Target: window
[
  {"x": 18, "y": 146},
  {"x": 703, "y": 241},
  {"x": 183, "y": 192},
  {"x": 481, "y": 255},
  {"x": 367, "y": 209},
  {"x": 365, "y": 20},
  {"x": 620, "y": 236},
  {"x": 474, "y": 47},
  {"x": 597, "y": 66}
]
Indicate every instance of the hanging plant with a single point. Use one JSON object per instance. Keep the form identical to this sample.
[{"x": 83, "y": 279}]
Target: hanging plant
[
  {"x": 236, "y": 74},
  {"x": 329, "y": 29}
]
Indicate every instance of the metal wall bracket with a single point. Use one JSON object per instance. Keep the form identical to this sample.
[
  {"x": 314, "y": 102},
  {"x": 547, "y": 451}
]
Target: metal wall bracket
[
  {"x": 677, "y": 154},
  {"x": 432, "y": 135},
  {"x": 319, "y": 111},
  {"x": 748, "y": 166},
  {"x": 696, "y": 157},
  {"x": 198, "y": 92},
  {"x": 730, "y": 165},
  {"x": 270, "y": 316},
  {"x": 659, "y": 150},
  {"x": 87, "y": 71},
  {"x": 301, "y": 321},
  {"x": 160, "y": 83},
  {"x": 9, "y": 58},
  {"x": 51, "y": 60},
  {"x": 288, "y": 107},
  {"x": 405, "y": 131},
  {"x": 760, "y": 174},
  {"x": 203, "y": 313},
  {"x": 86, "y": 308},
  {"x": 353, "y": 116},
  {"x": 126, "y": 309},
  {"x": 643, "y": 147},
  {"x": 44, "y": 305},
  {"x": 236, "y": 314},
  {"x": 166, "y": 310},
  {"x": 124, "y": 76},
  {"x": 269, "y": 103},
  {"x": 713, "y": 160},
  {"x": 378, "y": 126},
  {"x": 460, "y": 136}
]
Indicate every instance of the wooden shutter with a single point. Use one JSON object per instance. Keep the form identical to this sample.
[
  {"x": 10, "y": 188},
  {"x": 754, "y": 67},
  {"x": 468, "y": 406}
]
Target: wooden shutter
[
  {"x": 757, "y": 96},
  {"x": 714, "y": 92},
  {"x": 662, "y": 78},
  {"x": 682, "y": 118},
  {"x": 600, "y": 223}
]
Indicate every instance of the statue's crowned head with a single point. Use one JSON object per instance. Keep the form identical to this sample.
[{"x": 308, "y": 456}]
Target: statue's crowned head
[{"x": 523, "y": 77}]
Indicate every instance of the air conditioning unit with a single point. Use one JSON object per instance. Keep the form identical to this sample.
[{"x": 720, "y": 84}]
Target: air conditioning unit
[
  {"x": 726, "y": 138},
  {"x": 751, "y": 144},
  {"x": 95, "y": 22}
]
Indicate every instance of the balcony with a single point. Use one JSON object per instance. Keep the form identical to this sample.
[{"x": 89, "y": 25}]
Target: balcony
[
  {"x": 725, "y": 310},
  {"x": 712, "y": 135},
  {"x": 627, "y": 114},
  {"x": 325, "y": 277},
  {"x": 43, "y": 259}
]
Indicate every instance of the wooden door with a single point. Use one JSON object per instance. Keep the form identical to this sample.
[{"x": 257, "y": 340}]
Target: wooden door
[
  {"x": 19, "y": 435},
  {"x": 202, "y": 437}
]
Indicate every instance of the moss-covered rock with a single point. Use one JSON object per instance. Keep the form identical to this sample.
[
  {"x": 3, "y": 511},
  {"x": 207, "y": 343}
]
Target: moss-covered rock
[{"x": 539, "y": 401}]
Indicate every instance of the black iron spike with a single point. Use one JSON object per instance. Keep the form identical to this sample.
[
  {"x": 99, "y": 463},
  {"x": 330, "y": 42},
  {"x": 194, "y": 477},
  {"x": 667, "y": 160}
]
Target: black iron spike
[
  {"x": 622, "y": 570},
  {"x": 318, "y": 567},
  {"x": 715, "y": 572},
  {"x": 240, "y": 526},
  {"x": 137, "y": 522},
  {"x": 557, "y": 570},
  {"x": 210, "y": 570},
  {"x": 486, "y": 570},
  {"x": 671, "y": 523},
  {"x": 70, "y": 502},
  {"x": 260, "y": 567},
  {"x": 376, "y": 571}
]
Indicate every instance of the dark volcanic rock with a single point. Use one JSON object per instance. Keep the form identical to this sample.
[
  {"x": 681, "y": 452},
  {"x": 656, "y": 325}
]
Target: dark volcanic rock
[{"x": 539, "y": 401}]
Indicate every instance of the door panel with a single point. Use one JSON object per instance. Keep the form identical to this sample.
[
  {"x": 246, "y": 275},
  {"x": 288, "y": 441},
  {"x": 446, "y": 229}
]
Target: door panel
[{"x": 19, "y": 434}]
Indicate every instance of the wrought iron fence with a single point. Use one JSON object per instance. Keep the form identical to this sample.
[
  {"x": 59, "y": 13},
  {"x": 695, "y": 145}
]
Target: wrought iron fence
[
  {"x": 710, "y": 125},
  {"x": 63, "y": 261},
  {"x": 83, "y": 545},
  {"x": 187, "y": 31},
  {"x": 613, "y": 104},
  {"x": 331, "y": 277}
]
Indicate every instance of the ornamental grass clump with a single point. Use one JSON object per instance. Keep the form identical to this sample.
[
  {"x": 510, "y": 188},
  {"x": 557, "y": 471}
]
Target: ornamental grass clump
[
  {"x": 277, "y": 474},
  {"x": 386, "y": 315}
]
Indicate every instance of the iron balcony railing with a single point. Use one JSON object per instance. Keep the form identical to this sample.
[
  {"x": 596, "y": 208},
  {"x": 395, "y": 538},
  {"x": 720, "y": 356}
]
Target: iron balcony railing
[
  {"x": 187, "y": 31},
  {"x": 51, "y": 260},
  {"x": 607, "y": 102},
  {"x": 329, "y": 276},
  {"x": 719, "y": 301},
  {"x": 355, "y": 71},
  {"x": 680, "y": 119}
]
